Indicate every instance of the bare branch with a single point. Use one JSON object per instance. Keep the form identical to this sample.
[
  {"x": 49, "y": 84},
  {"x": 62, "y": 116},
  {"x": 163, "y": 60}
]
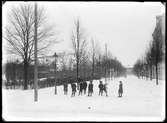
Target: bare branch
[{"x": 20, "y": 31}]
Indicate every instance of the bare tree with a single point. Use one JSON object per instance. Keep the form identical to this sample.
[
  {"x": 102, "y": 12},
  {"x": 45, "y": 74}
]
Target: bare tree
[
  {"x": 78, "y": 43},
  {"x": 84, "y": 63},
  {"x": 98, "y": 59},
  {"x": 20, "y": 34},
  {"x": 149, "y": 59},
  {"x": 157, "y": 48},
  {"x": 94, "y": 52},
  {"x": 154, "y": 55},
  {"x": 70, "y": 64},
  {"x": 64, "y": 60}
]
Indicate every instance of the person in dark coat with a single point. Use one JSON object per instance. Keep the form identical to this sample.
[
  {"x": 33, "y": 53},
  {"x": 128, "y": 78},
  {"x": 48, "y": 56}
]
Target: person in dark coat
[
  {"x": 73, "y": 89},
  {"x": 80, "y": 88},
  {"x": 100, "y": 88},
  {"x": 78, "y": 81},
  {"x": 90, "y": 88},
  {"x": 85, "y": 87},
  {"x": 120, "y": 90}
]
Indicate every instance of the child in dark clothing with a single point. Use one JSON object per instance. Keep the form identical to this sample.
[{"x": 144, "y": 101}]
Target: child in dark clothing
[
  {"x": 120, "y": 90},
  {"x": 73, "y": 89},
  {"x": 90, "y": 88},
  {"x": 101, "y": 88},
  {"x": 80, "y": 88},
  {"x": 84, "y": 87}
]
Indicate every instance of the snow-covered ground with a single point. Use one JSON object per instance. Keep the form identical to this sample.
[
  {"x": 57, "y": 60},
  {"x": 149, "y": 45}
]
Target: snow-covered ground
[{"x": 142, "y": 100}]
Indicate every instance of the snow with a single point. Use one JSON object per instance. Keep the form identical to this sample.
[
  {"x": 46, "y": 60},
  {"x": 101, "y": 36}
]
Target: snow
[{"x": 142, "y": 100}]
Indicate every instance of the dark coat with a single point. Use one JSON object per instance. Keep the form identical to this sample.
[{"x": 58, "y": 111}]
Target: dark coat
[
  {"x": 90, "y": 87},
  {"x": 74, "y": 87},
  {"x": 81, "y": 86},
  {"x": 120, "y": 88},
  {"x": 84, "y": 85},
  {"x": 101, "y": 86}
]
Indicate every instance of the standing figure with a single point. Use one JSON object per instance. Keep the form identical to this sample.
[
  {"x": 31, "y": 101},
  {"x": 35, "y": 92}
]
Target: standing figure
[
  {"x": 85, "y": 87},
  {"x": 80, "y": 88},
  {"x": 73, "y": 89},
  {"x": 100, "y": 88},
  {"x": 90, "y": 88},
  {"x": 78, "y": 81},
  {"x": 105, "y": 88},
  {"x": 65, "y": 88},
  {"x": 120, "y": 90}
]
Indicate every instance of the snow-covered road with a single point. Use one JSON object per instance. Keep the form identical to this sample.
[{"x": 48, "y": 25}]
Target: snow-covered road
[{"x": 142, "y": 100}]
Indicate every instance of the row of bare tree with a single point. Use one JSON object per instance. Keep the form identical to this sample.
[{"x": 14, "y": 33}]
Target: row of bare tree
[
  {"x": 14, "y": 71},
  {"x": 149, "y": 66}
]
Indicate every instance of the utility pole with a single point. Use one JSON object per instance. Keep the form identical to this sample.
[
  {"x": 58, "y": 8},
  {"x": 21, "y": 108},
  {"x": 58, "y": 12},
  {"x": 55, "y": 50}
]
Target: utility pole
[
  {"x": 36, "y": 61},
  {"x": 78, "y": 54}
]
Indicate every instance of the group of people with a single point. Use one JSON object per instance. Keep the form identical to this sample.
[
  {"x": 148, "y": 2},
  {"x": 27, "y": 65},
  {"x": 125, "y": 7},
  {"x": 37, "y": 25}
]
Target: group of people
[
  {"x": 83, "y": 86},
  {"x": 102, "y": 87}
]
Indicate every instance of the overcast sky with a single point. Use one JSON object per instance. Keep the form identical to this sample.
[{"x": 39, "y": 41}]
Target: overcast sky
[{"x": 125, "y": 27}]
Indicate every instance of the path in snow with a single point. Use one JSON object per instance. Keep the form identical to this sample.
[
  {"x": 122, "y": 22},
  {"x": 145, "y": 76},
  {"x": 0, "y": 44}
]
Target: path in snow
[{"x": 141, "y": 98}]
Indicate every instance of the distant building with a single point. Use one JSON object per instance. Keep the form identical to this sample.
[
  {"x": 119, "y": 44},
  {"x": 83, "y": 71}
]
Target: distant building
[{"x": 129, "y": 70}]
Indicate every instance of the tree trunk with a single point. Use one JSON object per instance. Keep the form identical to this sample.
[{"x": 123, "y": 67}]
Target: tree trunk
[
  {"x": 77, "y": 73},
  {"x": 93, "y": 68},
  {"x": 25, "y": 75},
  {"x": 151, "y": 72},
  {"x": 55, "y": 75},
  {"x": 156, "y": 67}
]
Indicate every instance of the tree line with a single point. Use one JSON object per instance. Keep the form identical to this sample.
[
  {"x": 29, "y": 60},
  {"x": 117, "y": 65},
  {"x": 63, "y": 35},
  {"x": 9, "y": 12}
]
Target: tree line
[
  {"x": 149, "y": 66},
  {"x": 14, "y": 73}
]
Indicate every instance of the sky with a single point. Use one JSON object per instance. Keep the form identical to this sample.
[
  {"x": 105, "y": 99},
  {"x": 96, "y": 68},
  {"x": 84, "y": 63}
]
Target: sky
[{"x": 126, "y": 27}]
